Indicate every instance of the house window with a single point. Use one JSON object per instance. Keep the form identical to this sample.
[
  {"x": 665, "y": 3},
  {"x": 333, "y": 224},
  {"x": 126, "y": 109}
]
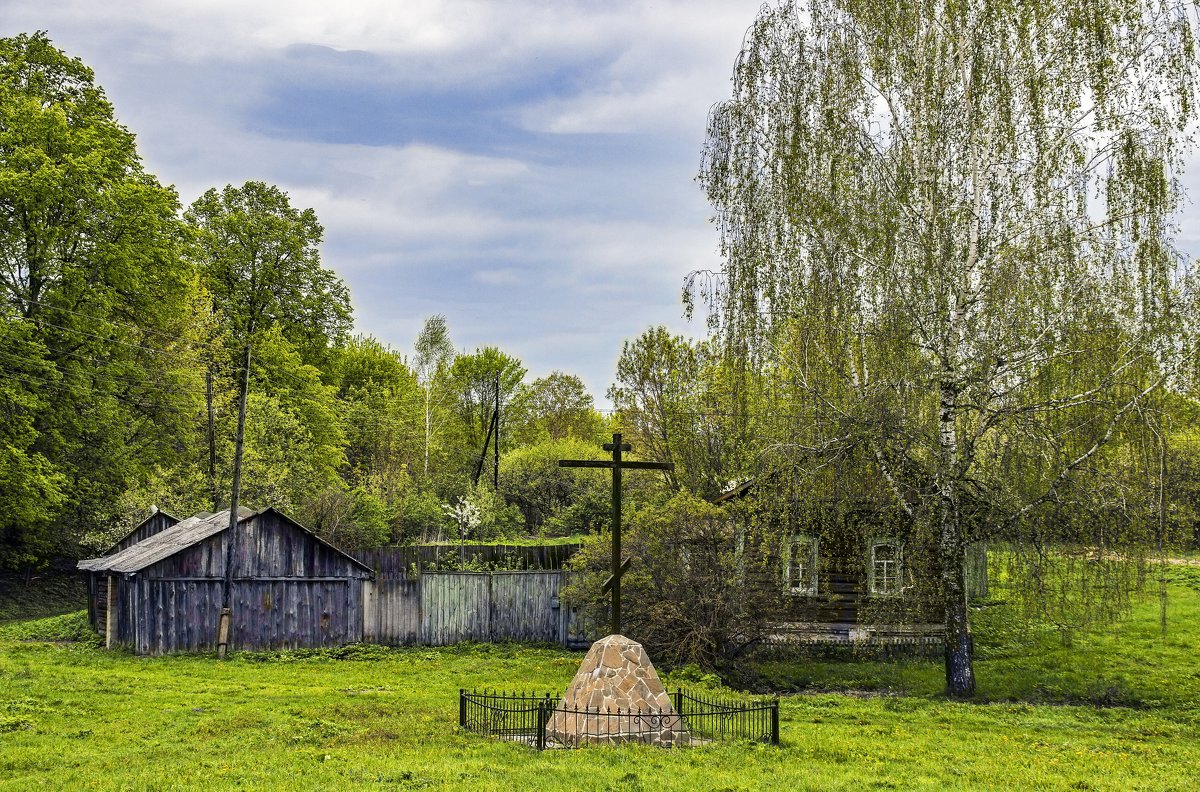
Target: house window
[
  {"x": 800, "y": 566},
  {"x": 885, "y": 567}
]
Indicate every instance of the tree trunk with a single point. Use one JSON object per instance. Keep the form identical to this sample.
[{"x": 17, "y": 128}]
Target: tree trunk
[
  {"x": 428, "y": 423},
  {"x": 212, "y": 444},
  {"x": 960, "y": 646},
  {"x": 238, "y": 447},
  {"x": 952, "y": 549}
]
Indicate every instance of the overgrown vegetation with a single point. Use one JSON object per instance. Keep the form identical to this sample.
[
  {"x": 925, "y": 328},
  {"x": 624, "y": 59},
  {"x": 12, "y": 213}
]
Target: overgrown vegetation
[{"x": 950, "y": 260}]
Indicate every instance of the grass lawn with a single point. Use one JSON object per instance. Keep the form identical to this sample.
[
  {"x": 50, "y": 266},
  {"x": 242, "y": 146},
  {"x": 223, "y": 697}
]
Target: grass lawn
[{"x": 1119, "y": 710}]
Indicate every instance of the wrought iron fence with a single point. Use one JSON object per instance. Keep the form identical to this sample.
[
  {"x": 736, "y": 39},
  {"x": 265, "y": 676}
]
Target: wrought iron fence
[{"x": 545, "y": 721}]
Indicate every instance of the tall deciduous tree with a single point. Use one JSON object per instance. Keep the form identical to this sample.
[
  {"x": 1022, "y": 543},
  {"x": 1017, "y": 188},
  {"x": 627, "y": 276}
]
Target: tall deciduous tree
[
  {"x": 683, "y": 402},
  {"x": 947, "y": 226},
  {"x": 260, "y": 261},
  {"x": 476, "y": 377},
  {"x": 92, "y": 291},
  {"x": 433, "y": 354},
  {"x": 557, "y": 406}
]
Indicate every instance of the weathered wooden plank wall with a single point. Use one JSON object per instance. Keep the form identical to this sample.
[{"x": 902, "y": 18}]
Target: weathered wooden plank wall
[
  {"x": 97, "y": 601},
  {"x": 442, "y": 608},
  {"x": 98, "y": 582},
  {"x": 524, "y": 607},
  {"x": 175, "y": 615},
  {"x": 456, "y": 607},
  {"x": 155, "y": 523},
  {"x": 289, "y": 591},
  {"x": 393, "y": 614}
]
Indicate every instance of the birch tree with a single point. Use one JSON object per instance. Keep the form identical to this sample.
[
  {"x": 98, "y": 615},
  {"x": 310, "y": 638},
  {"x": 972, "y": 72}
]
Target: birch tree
[
  {"x": 947, "y": 234},
  {"x": 433, "y": 353}
]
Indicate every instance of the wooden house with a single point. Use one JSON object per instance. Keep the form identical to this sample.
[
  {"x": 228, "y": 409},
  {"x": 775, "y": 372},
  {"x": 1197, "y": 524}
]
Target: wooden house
[
  {"x": 853, "y": 572},
  {"x": 289, "y": 588}
]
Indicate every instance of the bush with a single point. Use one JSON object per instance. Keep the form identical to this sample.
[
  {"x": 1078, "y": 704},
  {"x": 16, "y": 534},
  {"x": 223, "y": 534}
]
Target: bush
[
  {"x": 555, "y": 500},
  {"x": 687, "y": 596},
  {"x": 422, "y": 518}
]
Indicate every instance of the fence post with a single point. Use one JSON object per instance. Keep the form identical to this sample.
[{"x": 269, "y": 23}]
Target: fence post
[
  {"x": 543, "y": 720},
  {"x": 462, "y": 708},
  {"x": 678, "y": 701},
  {"x": 775, "y": 721}
]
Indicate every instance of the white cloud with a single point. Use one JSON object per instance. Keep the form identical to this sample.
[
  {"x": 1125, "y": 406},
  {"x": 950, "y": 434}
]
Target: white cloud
[{"x": 498, "y": 277}]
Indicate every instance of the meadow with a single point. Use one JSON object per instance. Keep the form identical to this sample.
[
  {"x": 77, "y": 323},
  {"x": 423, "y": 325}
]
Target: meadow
[{"x": 1119, "y": 709}]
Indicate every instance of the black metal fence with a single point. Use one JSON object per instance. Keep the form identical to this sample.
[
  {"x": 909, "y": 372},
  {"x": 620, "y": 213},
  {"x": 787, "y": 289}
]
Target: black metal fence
[{"x": 544, "y": 721}]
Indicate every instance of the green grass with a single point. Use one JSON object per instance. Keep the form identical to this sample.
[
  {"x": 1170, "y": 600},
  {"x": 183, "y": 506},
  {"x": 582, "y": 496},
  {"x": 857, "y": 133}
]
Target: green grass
[{"x": 1118, "y": 710}]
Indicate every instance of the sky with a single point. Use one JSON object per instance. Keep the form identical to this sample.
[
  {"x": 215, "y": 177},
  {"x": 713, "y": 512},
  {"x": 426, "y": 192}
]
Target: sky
[{"x": 525, "y": 167}]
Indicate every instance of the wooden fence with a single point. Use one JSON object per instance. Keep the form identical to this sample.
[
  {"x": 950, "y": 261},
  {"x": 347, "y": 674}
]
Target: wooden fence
[{"x": 442, "y": 608}]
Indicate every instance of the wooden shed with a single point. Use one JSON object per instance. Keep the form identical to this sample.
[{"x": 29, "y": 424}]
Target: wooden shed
[
  {"x": 157, "y": 522},
  {"x": 289, "y": 588}
]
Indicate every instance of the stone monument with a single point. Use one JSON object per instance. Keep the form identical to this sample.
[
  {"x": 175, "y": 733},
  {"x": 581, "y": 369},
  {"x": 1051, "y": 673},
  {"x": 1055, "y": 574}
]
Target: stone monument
[{"x": 616, "y": 697}]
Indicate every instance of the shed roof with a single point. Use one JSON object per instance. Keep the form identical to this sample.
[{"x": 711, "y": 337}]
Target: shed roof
[
  {"x": 183, "y": 535},
  {"x": 155, "y": 511}
]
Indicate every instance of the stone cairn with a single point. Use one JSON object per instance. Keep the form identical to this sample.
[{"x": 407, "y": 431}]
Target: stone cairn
[{"x": 616, "y": 697}]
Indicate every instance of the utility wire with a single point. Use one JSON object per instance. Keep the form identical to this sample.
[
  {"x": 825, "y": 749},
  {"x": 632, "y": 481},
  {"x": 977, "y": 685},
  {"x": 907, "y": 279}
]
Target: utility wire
[{"x": 126, "y": 323}]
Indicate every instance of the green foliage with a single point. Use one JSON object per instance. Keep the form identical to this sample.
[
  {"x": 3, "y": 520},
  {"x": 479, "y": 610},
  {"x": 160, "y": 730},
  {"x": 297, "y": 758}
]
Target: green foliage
[
  {"x": 689, "y": 595},
  {"x": 259, "y": 258},
  {"x": 554, "y": 499},
  {"x": 493, "y": 517},
  {"x": 40, "y": 595},
  {"x": 69, "y": 627},
  {"x": 124, "y": 328},
  {"x": 555, "y": 407},
  {"x": 942, "y": 294},
  {"x": 94, "y": 348},
  {"x": 684, "y": 402},
  {"x": 474, "y": 378},
  {"x": 422, "y": 517}
]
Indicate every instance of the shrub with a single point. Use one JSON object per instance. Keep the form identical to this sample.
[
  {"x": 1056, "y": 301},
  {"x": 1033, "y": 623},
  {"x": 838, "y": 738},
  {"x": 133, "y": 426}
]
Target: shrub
[{"x": 688, "y": 595}]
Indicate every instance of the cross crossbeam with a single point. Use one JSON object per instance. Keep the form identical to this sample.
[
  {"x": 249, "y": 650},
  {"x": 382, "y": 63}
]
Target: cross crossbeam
[{"x": 616, "y": 465}]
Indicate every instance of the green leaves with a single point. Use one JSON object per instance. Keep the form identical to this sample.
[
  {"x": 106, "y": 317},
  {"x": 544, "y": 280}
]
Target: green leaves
[
  {"x": 260, "y": 260},
  {"x": 92, "y": 291}
]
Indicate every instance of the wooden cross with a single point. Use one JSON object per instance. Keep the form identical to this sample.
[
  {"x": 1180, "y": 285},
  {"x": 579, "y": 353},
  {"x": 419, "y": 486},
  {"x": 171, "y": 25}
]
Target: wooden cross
[{"x": 616, "y": 466}]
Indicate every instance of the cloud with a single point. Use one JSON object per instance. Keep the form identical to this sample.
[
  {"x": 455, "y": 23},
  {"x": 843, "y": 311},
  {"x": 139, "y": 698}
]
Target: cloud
[
  {"x": 498, "y": 277},
  {"x": 525, "y": 167}
]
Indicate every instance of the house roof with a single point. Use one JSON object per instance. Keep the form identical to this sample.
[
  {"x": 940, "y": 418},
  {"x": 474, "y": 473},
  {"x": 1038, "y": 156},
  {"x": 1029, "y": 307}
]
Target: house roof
[
  {"x": 183, "y": 535},
  {"x": 154, "y": 513},
  {"x": 736, "y": 492}
]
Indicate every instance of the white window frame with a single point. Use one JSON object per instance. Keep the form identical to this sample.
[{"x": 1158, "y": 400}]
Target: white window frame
[
  {"x": 897, "y": 577},
  {"x": 807, "y": 587}
]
